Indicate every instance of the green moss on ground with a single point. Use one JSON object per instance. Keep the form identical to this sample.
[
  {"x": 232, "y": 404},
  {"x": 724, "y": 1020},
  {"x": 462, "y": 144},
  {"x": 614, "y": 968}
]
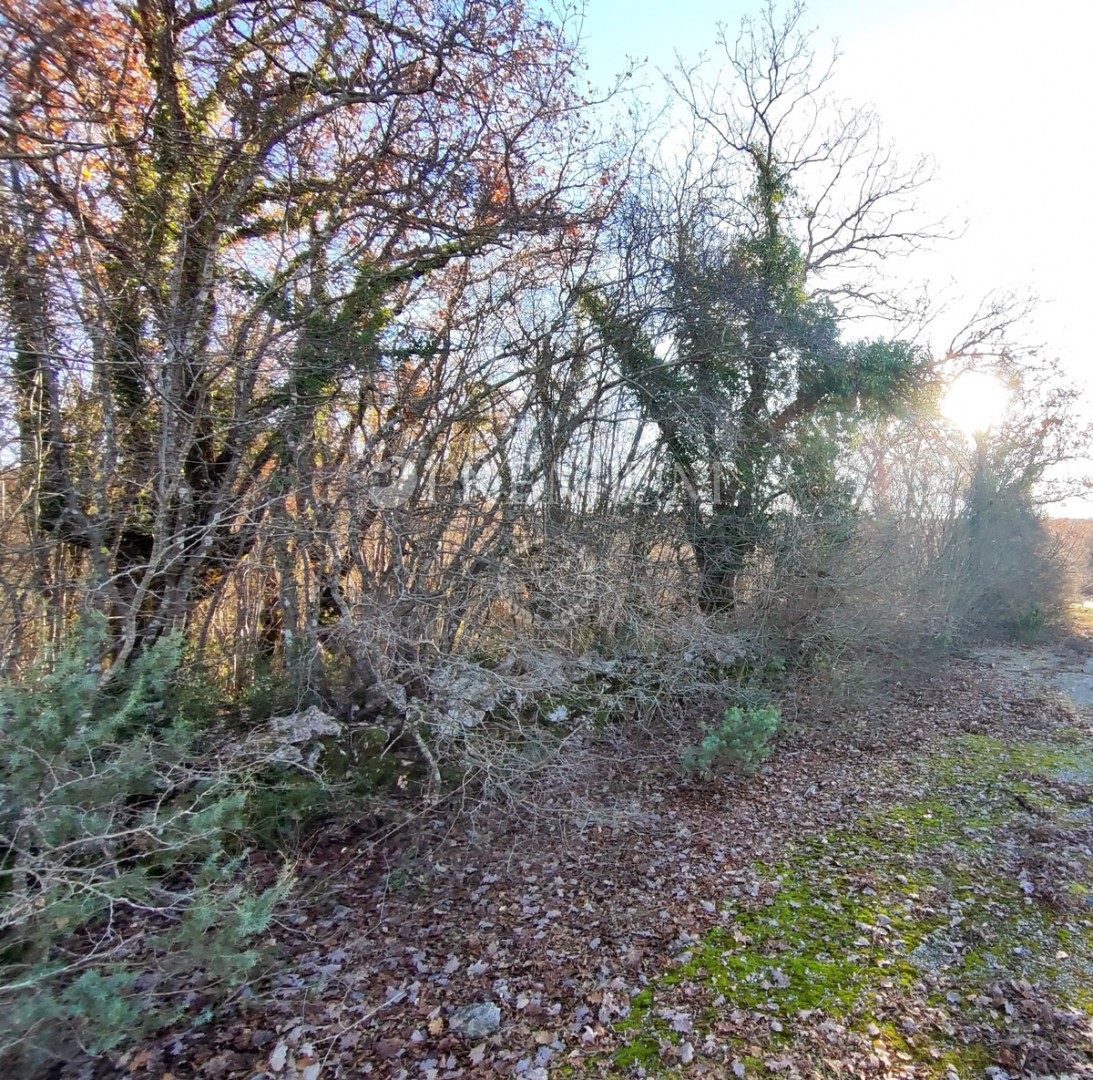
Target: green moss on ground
[
  {"x": 817, "y": 944},
  {"x": 920, "y": 905},
  {"x": 643, "y": 1050}
]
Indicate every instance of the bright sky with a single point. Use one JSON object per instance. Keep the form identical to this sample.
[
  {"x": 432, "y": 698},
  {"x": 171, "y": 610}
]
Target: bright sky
[{"x": 995, "y": 91}]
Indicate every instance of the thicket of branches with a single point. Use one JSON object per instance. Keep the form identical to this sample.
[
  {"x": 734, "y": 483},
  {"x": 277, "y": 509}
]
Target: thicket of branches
[
  {"x": 350, "y": 344},
  {"x": 352, "y": 347}
]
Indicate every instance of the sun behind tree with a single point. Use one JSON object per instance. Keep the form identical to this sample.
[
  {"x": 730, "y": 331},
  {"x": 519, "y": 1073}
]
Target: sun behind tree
[{"x": 975, "y": 402}]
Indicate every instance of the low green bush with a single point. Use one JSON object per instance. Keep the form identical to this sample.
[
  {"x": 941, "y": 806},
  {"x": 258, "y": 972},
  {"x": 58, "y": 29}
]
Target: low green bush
[
  {"x": 285, "y": 803},
  {"x": 742, "y": 740},
  {"x": 1029, "y": 625},
  {"x": 124, "y": 896}
]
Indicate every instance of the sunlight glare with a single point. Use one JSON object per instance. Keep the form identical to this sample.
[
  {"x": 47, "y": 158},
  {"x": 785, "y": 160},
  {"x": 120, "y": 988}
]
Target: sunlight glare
[{"x": 975, "y": 402}]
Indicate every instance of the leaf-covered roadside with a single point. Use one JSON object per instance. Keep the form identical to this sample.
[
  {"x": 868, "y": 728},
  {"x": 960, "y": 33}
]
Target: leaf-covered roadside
[
  {"x": 909, "y": 899},
  {"x": 948, "y": 934}
]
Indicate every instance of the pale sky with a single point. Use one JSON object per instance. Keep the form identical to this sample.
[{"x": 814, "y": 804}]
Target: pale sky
[{"x": 995, "y": 91}]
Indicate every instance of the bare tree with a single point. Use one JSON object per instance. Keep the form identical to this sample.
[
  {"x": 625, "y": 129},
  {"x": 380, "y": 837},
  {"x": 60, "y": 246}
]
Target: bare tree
[
  {"x": 211, "y": 220},
  {"x": 741, "y": 265}
]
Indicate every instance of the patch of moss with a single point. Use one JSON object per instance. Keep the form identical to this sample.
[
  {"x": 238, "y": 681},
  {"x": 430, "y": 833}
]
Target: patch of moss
[
  {"x": 1005, "y": 934},
  {"x": 648, "y": 1033},
  {"x": 926, "y": 886},
  {"x": 937, "y": 1055},
  {"x": 911, "y": 902},
  {"x": 641, "y": 1005},
  {"x": 643, "y": 1050},
  {"x": 814, "y": 945},
  {"x": 1052, "y": 760}
]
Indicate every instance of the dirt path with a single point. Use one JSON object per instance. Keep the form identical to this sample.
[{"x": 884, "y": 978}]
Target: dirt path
[
  {"x": 947, "y": 933},
  {"x": 905, "y": 893}
]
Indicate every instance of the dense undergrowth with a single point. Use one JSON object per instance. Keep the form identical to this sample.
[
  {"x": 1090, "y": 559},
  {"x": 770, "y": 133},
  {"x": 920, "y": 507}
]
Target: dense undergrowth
[
  {"x": 126, "y": 898},
  {"x": 131, "y": 899}
]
